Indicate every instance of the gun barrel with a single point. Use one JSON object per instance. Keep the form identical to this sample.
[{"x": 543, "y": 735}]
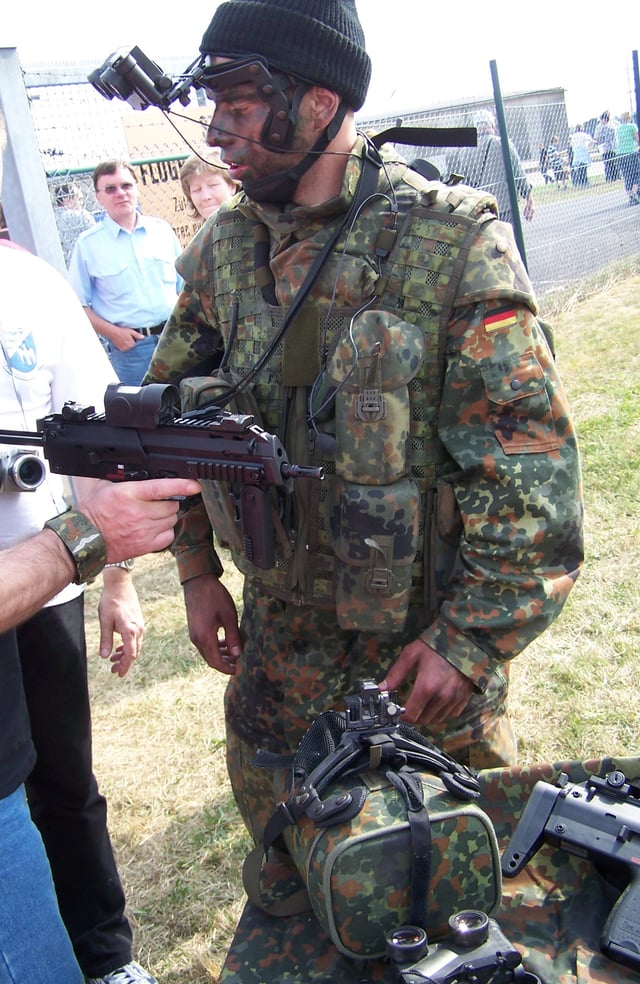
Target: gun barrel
[
  {"x": 302, "y": 471},
  {"x": 33, "y": 439}
]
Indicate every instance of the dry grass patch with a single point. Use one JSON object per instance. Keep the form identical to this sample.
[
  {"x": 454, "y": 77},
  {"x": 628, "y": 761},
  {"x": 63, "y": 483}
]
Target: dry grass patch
[
  {"x": 160, "y": 758},
  {"x": 575, "y": 689}
]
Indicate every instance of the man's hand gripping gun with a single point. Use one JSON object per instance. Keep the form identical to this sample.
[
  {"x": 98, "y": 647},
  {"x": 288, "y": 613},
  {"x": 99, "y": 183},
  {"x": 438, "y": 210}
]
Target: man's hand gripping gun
[
  {"x": 599, "y": 820},
  {"x": 142, "y": 435}
]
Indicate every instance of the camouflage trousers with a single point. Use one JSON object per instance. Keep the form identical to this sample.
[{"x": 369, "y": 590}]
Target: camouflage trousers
[{"x": 298, "y": 663}]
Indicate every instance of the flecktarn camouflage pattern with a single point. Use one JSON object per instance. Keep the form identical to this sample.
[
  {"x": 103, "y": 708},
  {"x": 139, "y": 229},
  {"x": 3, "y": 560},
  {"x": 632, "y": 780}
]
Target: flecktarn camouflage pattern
[
  {"x": 381, "y": 826},
  {"x": 556, "y": 908},
  {"x": 553, "y": 911},
  {"x": 491, "y": 452},
  {"x": 485, "y": 410},
  {"x": 469, "y": 533},
  {"x": 83, "y": 541}
]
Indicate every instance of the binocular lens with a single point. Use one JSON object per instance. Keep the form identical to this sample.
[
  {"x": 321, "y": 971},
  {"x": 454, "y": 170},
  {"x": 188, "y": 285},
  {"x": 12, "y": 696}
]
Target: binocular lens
[{"x": 407, "y": 944}]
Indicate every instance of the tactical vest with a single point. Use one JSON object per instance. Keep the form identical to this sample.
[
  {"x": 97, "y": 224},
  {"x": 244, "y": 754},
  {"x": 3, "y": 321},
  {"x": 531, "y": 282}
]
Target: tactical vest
[{"x": 355, "y": 389}]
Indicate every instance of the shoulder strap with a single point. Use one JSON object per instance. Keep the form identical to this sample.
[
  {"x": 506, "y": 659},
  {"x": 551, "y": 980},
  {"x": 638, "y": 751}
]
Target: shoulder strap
[
  {"x": 409, "y": 786},
  {"x": 467, "y": 210}
]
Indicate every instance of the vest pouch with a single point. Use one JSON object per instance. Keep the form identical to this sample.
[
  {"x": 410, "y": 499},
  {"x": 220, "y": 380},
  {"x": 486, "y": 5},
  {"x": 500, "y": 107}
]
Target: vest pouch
[
  {"x": 201, "y": 391},
  {"x": 358, "y": 872},
  {"x": 374, "y": 535},
  {"x": 371, "y": 370}
]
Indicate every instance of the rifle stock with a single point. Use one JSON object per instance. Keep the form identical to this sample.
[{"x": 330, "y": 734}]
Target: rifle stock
[{"x": 599, "y": 820}]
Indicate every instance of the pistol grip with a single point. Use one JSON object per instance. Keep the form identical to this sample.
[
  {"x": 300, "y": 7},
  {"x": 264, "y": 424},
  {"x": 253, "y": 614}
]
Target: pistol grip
[{"x": 621, "y": 934}]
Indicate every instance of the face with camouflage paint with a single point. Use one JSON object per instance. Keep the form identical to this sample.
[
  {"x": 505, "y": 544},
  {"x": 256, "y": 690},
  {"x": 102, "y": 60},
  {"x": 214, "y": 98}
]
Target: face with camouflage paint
[{"x": 237, "y": 128}]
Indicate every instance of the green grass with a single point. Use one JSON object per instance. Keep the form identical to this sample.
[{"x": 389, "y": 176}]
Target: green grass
[
  {"x": 545, "y": 194},
  {"x": 574, "y": 690},
  {"x": 159, "y": 733}
]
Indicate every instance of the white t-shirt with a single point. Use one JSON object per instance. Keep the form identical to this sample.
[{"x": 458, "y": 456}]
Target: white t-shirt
[{"x": 49, "y": 354}]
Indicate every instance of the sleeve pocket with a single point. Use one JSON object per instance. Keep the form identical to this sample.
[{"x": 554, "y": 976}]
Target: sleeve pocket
[{"x": 519, "y": 405}]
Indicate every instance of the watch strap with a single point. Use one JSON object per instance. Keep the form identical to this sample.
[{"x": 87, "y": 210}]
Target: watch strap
[
  {"x": 84, "y": 542},
  {"x": 125, "y": 565}
]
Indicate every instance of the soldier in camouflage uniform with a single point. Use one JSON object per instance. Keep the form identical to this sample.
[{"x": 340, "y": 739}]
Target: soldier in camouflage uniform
[{"x": 446, "y": 534}]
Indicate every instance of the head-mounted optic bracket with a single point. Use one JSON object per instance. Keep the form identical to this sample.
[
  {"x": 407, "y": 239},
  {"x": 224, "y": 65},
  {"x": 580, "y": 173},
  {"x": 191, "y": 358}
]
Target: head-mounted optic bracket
[{"x": 272, "y": 87}]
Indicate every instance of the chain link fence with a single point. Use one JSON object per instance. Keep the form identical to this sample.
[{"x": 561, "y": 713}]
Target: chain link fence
[
  {"x": 76, "y": 128},
  {"x": 582, "y": 219}
]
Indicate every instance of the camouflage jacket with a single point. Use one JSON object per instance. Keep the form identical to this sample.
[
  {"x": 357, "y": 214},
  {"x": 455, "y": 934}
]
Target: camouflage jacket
[{"x": 486, "y": 424}]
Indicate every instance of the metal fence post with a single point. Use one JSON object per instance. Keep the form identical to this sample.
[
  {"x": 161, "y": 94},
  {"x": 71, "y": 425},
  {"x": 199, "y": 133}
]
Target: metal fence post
[
  {"x": 516, "y": 220},
  {"x": 25, "y": 196}
]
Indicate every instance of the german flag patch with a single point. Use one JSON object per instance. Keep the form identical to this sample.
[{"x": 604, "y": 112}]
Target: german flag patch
[{"x": 502, "y": 317}]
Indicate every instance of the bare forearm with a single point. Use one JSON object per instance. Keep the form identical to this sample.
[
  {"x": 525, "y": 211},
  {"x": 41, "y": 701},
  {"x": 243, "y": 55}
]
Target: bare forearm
[
  {"x": 32, "y": 573},
  {"x": 100, "y": 325},
  {"x": 112, "y": 523}
]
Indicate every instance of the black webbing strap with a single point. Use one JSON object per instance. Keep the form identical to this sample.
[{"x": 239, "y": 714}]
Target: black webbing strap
[
  {"x": 428, "y": 136},
  {"x": 409, "y": 786}
]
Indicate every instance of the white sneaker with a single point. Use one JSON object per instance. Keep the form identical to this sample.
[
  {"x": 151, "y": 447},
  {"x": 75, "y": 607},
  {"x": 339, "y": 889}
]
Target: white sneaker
[{"x": 131, "y": 973}]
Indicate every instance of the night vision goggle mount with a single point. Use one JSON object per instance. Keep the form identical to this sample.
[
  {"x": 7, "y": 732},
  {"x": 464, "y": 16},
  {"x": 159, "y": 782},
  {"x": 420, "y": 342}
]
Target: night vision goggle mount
[
  {"x": 131, "y": 76},
  {"x": 134, "y": 78}
]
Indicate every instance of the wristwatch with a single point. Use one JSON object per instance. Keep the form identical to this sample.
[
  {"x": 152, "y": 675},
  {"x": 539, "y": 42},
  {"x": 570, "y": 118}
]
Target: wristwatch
[
  {"x": 125, "y": 565},
  {"x": 84, "y": 542}
]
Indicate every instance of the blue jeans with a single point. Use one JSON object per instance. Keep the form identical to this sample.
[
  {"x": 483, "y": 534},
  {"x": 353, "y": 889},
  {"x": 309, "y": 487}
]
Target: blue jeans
[
  {"x": 66, "y": 804},
  {"x": 133, "y": 364},
  {"x": 34, "y": 946}
]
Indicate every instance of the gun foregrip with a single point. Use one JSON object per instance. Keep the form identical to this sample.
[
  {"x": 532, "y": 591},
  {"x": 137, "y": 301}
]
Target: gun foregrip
[{"x": 621, "y": 934}]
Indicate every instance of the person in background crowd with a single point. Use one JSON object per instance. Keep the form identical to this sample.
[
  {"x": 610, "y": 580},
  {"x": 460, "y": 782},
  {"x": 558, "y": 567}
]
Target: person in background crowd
[
  {"x": 123, "y": 271},
  {"x": 110, "y": 524},
  {"x": 543, "y": 164},
  {"x": 627, "y": 147},
  {"x": 484, "y": 440},
  {"x": 206, "y": 183},
  {"x": 605, "y": 135},
  {"x": 579, "y": 143},
  {"x": 71, "y": 217},
  {"x": 483, "y": 167},
  {"x": 557, "y": 162}
]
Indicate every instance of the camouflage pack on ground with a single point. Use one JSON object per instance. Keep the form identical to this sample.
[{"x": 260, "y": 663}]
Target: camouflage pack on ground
[{"x": 382, "y": 827}]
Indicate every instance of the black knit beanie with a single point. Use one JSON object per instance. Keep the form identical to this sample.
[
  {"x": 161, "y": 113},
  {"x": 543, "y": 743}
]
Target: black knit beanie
[{"x": 318, "y": 41}]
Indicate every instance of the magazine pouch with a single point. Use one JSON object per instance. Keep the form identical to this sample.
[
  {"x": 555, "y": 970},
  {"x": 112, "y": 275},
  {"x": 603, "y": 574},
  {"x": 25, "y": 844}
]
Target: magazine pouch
[
  {"x": 373, "y": 511},
  {"x": 372, "y": 368},
  {"x": 374, "y": 534}
]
